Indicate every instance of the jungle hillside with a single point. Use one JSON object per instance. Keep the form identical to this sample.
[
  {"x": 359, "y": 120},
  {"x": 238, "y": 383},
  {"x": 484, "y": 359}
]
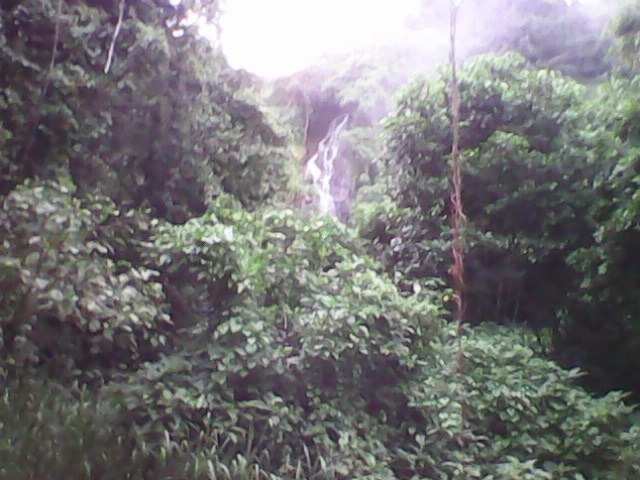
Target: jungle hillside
[{"x": 391, "y": 265}]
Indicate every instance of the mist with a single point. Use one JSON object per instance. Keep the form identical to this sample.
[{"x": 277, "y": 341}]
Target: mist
[{"x": 285, "y": 36}]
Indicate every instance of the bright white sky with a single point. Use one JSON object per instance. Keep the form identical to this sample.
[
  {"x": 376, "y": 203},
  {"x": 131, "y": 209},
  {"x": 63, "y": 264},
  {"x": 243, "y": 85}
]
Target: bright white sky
[{"x": 278, "y": 37}]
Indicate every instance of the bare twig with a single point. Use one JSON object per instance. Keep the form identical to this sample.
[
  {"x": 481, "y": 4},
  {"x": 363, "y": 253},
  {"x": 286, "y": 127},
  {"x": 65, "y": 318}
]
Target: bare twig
[
  {"x": 54, "y": 49},
  {"x": 116, "y": 32}
]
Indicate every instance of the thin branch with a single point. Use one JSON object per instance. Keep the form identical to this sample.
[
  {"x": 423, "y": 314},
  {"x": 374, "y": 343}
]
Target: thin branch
[
  {"x": 116, "y": 32},
  {"x": 54, "y": 49}
]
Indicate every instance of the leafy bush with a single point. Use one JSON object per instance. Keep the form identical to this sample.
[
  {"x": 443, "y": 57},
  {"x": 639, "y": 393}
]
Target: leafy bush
[
  {"x": 66, "y": 305},
  {"x": 314, "y": 364},
  {"x": 50, "y": 432},
  {"x": 549, "y": 185},
  {"x": 307, "y": 320},
  {"x": 608, "y": 265},
  {"x": 525, "y": 415}
]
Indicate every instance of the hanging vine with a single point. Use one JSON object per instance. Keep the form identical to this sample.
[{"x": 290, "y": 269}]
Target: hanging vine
[{"x": 458, "y": 219}]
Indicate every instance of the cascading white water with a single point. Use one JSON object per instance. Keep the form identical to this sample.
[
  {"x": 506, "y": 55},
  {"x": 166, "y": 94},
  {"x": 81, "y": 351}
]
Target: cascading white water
[{"x": 320, "y": 167}]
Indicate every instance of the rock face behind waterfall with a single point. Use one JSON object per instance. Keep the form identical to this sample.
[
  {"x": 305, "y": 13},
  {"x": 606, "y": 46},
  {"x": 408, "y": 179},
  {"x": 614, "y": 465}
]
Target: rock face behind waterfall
[
  {"x": 312, "y": 105},
  {"x": 321, "y": 168}
]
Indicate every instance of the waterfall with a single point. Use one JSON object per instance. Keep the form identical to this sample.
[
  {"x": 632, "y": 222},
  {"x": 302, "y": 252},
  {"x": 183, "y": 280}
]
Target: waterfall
[{"x": 320, "y": 167}]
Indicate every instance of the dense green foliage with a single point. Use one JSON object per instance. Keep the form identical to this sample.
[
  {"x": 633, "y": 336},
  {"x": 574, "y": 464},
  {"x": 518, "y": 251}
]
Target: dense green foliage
[
  {"x": 166, "y": 313},
  {"x": 66, "y": 304},
  {"x": 521, "y": 167},
  {"x": 161, "y": 129},
  {"x": 317, "y": 363},
  {"x": 550, "y": 188}
]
